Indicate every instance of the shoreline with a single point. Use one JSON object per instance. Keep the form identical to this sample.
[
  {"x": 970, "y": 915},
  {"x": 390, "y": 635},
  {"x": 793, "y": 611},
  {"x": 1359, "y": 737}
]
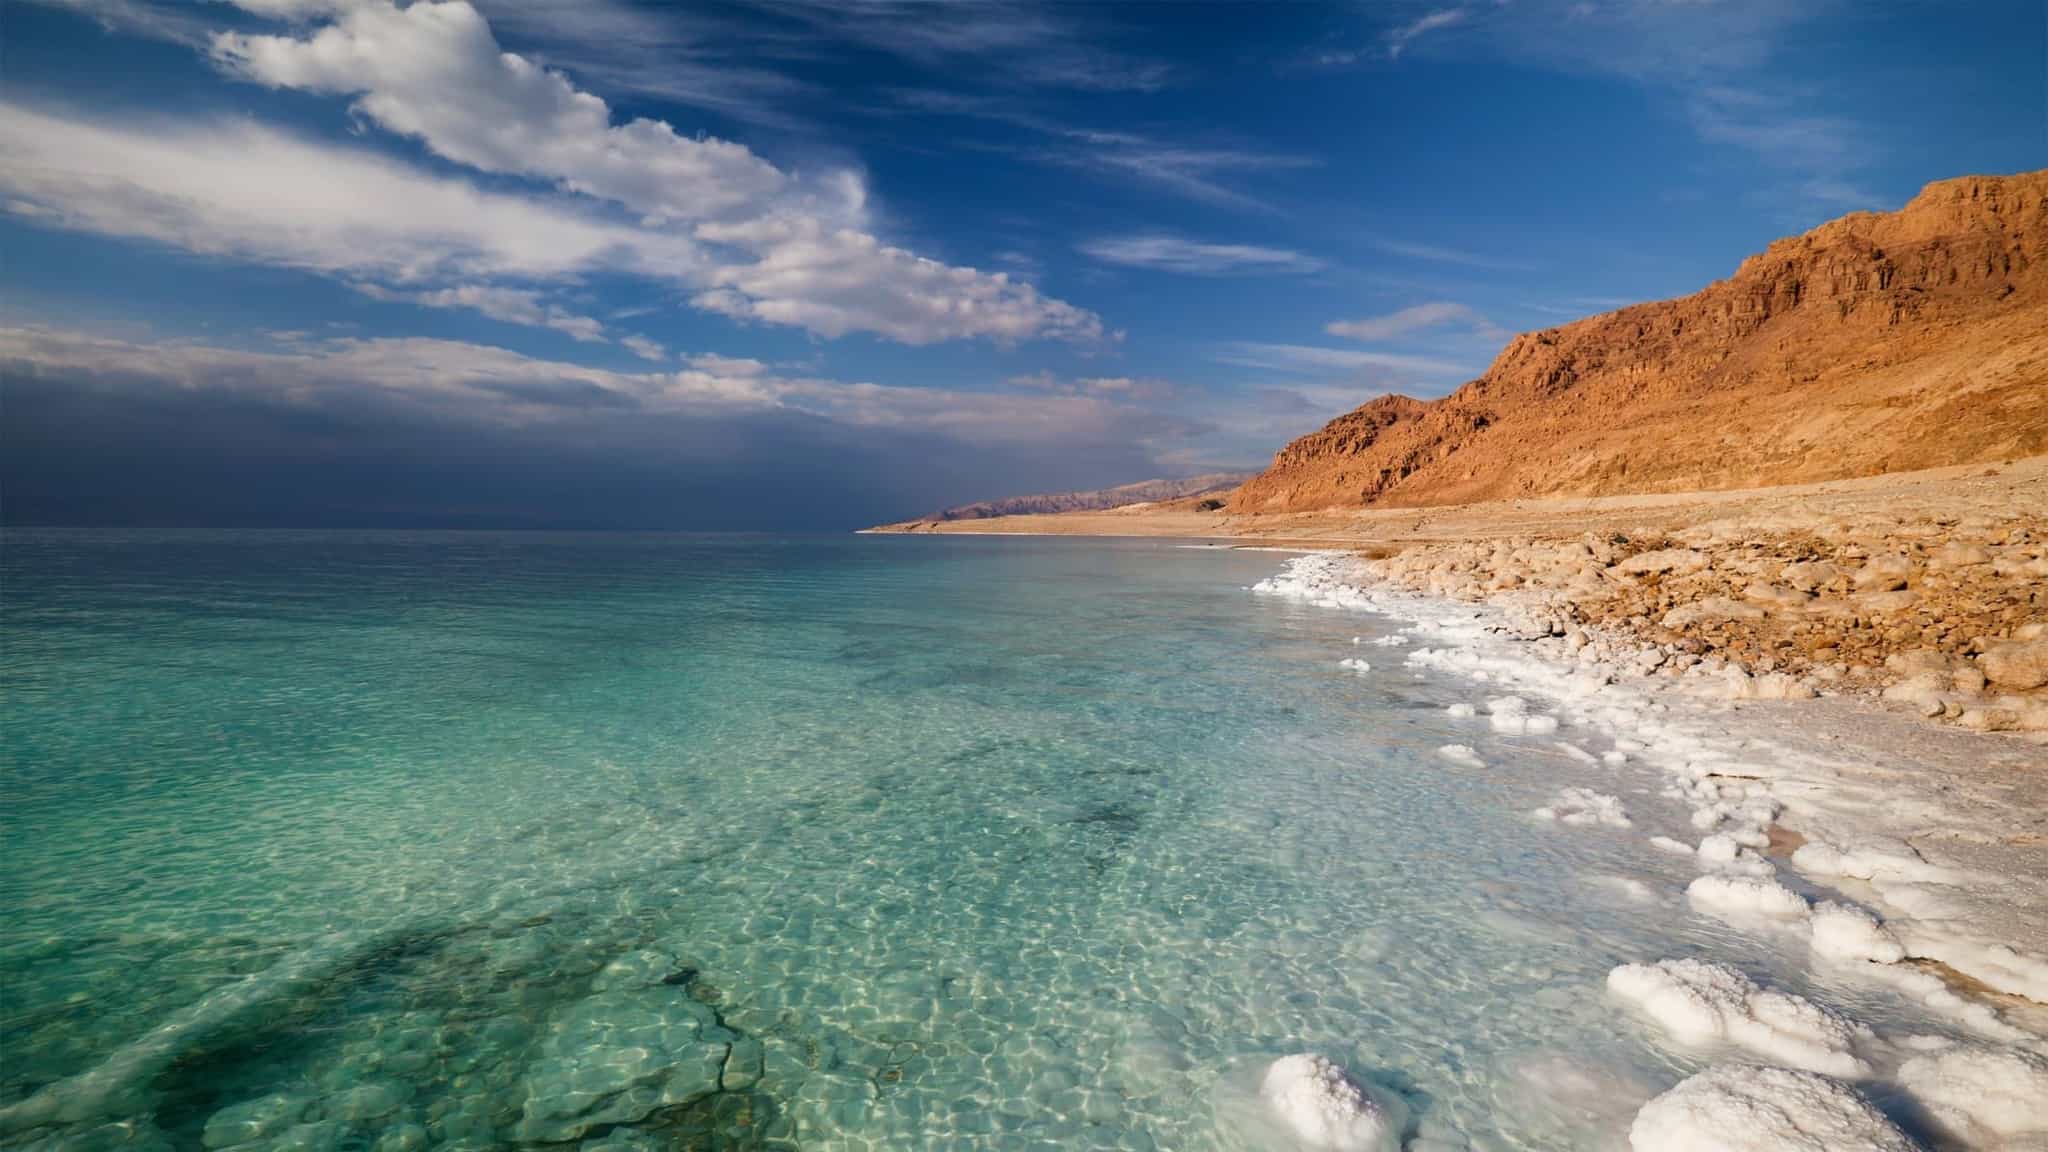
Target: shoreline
[
  {"x": 1926, "y": 590},
  {"x": 1909, "y": 858}
]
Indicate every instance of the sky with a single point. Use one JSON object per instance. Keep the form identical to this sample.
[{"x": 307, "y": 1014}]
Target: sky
[{"x": 809, "y": 265}]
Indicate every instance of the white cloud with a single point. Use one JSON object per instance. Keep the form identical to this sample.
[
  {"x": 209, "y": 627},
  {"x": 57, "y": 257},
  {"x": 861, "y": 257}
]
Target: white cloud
[
  {"x": 1196, "y": 172},
  {"x": 479, "y": 384},
  {"x": 1119, "y": 387},
  {"x": 1418, "y": 318},
  {"x": 1309, "y": 359},
  {"x": 644, "y": 348},
  {"x": 745, "y": 238},
  {"x": 434, "y": 72},
  {"x": 238, "y": 189},
  {"x": 1168, "y": 253},
  {"x": 1399, "y": 38},
  {"x": 510, "y": 305},
  {"x": 235, "y": 188},
  {"x": 835, "y": 281}
]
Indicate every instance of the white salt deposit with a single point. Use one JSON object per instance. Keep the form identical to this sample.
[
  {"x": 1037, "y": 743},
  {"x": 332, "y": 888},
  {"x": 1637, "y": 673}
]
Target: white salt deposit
[
  {"x": 1325, "y": 1109},
  {"x": 1461, "y": 754},
  {"x": 1735, "y": 1108},
  {"x": 1701, "y": 1004},
  {"x": 1583, "y": 806},
  {"x": 1968, "y": 890},
  {"x": 1983, "y": 1098},
  {"x": 1511, "y": 714},
  {"x": 1851, "y": 935},
  {"x": 1744, "y": 899}
]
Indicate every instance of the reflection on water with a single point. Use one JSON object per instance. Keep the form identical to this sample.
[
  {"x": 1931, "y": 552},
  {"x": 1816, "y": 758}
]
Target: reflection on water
[{"x": 404, "y": 841}]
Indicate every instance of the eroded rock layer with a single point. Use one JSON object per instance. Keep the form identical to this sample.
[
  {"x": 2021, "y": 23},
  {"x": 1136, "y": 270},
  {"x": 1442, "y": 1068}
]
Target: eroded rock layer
[{"x": 1879, "y": 342}]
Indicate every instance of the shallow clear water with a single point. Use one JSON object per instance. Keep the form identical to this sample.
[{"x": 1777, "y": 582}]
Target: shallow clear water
[{"x": 887, "y": 843}]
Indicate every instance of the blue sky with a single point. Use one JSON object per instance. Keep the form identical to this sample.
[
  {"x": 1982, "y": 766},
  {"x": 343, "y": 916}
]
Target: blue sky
[{"x": 795, "y": 264}]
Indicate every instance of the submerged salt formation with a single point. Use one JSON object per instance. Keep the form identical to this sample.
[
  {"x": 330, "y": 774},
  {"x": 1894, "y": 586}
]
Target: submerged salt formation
[
  {"x": 1703, "y": 1004},
  {"x": 1325, "y": 1110},
  {"x": 1739, "y": 1108}
]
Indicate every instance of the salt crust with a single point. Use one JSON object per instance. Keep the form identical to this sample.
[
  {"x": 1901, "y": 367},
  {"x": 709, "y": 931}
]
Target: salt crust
[
  {"x": 1701, "y": 1004},
  {"x": 1462, "y": 755},
  {"x": 1325, "y": 1110},
  {"x": 1737, "y": 1108},
  {"x": 1731, "y": 781},
  {"x": 1984, "y": 1098},
  {"x": 1583, "y": 806}
]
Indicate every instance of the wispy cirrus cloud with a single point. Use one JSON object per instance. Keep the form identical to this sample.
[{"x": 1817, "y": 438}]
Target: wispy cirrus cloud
[
  {"x": 1314, "y": 359},
  {"x": 1417, "y": 318},
  {"x": 1714, "y": 60},
  {"x": 1015, "y": 42},
  {"x": 1208, "y": 173},
  {"x": 522, "y": 306},
  {"x": 1399, "y": 38},
  {"x": 1163, "y": 252}
]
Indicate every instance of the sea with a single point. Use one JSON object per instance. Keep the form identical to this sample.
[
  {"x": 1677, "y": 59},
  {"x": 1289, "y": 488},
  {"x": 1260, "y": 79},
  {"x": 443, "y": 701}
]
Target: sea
[{"x": 406, "y": 840}]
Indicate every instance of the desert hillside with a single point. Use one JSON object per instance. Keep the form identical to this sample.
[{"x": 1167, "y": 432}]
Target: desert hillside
[{"x": 1879, "y": 342}]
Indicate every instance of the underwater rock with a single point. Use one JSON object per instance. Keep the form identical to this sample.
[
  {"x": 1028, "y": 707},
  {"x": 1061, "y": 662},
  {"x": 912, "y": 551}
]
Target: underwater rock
[{"x": 616, "y": 1057}]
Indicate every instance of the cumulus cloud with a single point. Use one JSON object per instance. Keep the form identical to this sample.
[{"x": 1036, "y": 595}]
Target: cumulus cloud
[
  {"x": 434, "y": 72},
  {"x": 239, "y": 189},
  {"x": 746, "y": 238},
  {"x": 833, "y": 281},
  {"x": 1167, "y": 253}
]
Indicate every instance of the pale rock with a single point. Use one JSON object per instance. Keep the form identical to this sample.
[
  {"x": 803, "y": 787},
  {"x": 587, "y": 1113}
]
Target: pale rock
[
  {"x": 2019, "y": 664},
  {"x": 1809, "y": 575},
  {"x": 1710, "y": 608},
  {"x": 1664, "y": 560}
]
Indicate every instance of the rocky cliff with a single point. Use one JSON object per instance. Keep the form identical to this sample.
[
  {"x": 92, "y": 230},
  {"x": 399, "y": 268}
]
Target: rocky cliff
[{"x": 1877, "y": 342}]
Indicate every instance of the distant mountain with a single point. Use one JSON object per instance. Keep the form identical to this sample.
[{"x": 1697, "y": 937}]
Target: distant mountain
[
  {"x": 1879, "y": 342},
  {"x": 1144, "y": 491}
]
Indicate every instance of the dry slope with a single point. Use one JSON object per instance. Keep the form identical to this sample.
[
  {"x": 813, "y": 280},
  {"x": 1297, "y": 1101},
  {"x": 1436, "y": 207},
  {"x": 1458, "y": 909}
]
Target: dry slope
[{"x": 1878, "y": 342}]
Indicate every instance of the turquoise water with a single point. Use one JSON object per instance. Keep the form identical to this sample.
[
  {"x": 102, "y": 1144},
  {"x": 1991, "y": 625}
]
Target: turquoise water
[{"x": 410, "y": 840}]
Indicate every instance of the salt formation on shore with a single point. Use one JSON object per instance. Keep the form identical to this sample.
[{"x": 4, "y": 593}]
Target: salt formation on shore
[
  {"x": 1582, "y": 806},
  {"x": 1945, "y": 618},
  {"x": 1327, "y": 1111},
  {"x": 1701, "y": 1004},
  {"x": 1737, "y": 1108},
  {"x": 1983, "y": 1098},
  {"x": 1919, "y": 852}
]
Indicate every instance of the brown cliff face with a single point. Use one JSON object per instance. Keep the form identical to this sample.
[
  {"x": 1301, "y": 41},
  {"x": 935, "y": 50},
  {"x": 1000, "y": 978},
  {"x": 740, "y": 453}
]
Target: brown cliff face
[{"x": 1878, "y": 342}]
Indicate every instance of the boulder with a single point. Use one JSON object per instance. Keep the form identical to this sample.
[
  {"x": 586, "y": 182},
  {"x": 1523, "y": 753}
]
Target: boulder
[{"x": 2016, "y": 664}]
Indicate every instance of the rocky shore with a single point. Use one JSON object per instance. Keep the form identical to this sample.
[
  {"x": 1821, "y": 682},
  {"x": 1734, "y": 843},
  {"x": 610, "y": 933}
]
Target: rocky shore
[
  {"x": 1947, "y": 617},
  {"x": 1928, "y": 589}
]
